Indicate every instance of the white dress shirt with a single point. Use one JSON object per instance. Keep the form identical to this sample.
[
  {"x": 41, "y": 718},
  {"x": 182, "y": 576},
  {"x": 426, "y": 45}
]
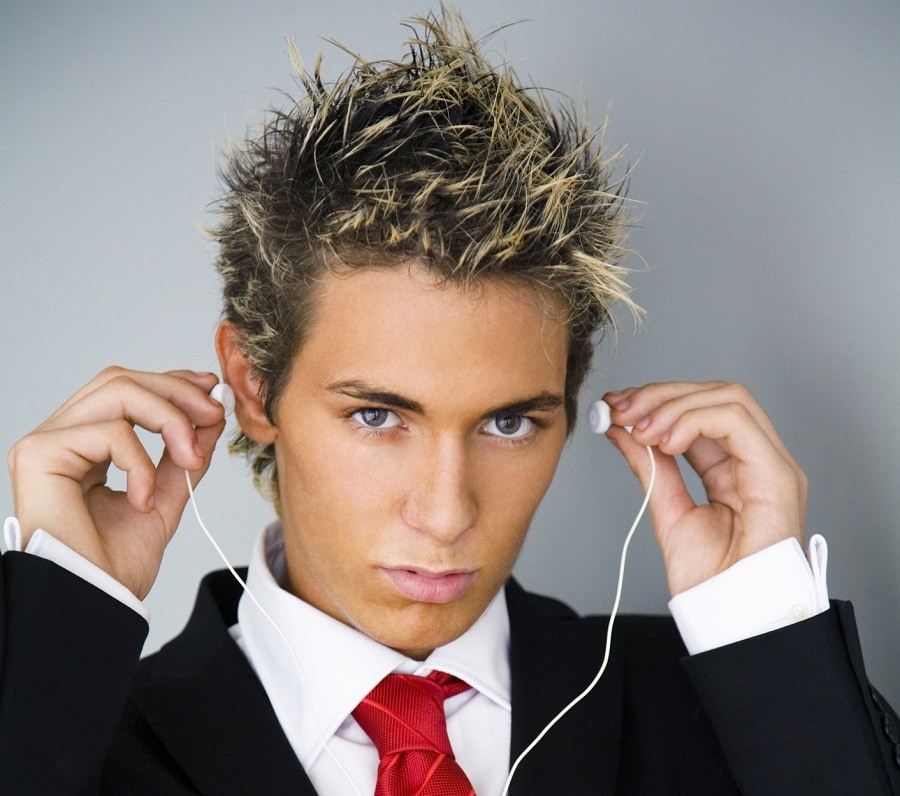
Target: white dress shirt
[
  {"x": 341, "y": 665},
  {"x": 763, "y": 592}
]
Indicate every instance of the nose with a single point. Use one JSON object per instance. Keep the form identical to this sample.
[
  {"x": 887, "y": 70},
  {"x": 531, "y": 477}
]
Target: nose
[{"x": 441, "y": 502}]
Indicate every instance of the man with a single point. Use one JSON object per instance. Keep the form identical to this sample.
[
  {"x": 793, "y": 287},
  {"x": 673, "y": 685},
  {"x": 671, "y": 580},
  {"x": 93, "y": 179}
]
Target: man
[{"x": 416, "y": 261}]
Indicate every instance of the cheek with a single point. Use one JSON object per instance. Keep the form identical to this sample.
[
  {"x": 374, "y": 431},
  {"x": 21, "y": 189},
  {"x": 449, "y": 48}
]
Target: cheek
[
  {"x": 334, "y": 506},
  {"x": 352, "y": 491},
  {"x": 518, "y": 480},
  {"x": 333, "y": 485},
  {"x": 509, "y": 496}
]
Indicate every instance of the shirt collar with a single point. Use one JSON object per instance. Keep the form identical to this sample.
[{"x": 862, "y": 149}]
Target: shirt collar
[{"x": 340, "y": 665}]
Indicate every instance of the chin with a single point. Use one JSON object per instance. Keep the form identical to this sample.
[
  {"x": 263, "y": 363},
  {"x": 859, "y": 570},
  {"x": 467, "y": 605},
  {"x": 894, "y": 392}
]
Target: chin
[{"x": 419, "y": 635}]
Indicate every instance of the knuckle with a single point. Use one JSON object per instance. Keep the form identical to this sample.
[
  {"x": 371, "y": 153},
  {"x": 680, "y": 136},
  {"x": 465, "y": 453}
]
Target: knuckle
[
  {"x": 124, "y": 442},
  {"x": 22, "y": 451},
  {"x": 737, "y": 391},
  {"x": 653, "y": 386},
  {"x": 12, "y": 456},
  {"x": 122, "y": 429},
  {"x": 111, "y": 372},
  {"x": 121, "y": 380},
  {"x": 737, "y": 408}
]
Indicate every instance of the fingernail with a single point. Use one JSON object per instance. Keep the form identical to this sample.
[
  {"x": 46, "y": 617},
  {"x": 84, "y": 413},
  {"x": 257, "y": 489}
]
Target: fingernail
[
  {"x": 151, "y": 501},
  {"x": 618, "y": 403},
  {"x": 642, "y": 423},
  {"x": 199, "y": 450}
]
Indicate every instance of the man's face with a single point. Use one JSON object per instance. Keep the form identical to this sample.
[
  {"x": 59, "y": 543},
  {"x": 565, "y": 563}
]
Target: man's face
[{"x": 417, "y": 434}]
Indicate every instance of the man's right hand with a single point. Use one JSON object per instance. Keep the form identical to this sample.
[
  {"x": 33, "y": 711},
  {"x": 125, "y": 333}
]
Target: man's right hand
[{"x": 59, "y": 470}]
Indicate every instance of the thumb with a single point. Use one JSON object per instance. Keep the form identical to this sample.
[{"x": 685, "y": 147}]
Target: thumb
[
  {"x": 670, "y": 499},
  {"x": 171, "y": 489},
  {"x": 634, "y": 453}
]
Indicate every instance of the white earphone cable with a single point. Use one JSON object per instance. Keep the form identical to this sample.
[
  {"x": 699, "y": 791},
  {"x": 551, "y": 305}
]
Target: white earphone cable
[
  {"x": 274, "y": 624},
  {"x": 551, "y": 724},
  {"x": 609, "y": 630}
]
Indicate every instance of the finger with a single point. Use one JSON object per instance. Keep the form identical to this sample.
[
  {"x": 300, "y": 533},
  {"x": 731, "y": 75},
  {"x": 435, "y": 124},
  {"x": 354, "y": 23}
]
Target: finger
[
  {"x": 634, "y": 404},
  {"x": 670, "y": 498},
  {"x": 49, "y": 468},
  {"x": 652, "y": 409},
  {"x": 757, "y": 474},
  {"x": 113, "y": 394},
  {"x": 124, "y": 398},
  {"x": 657, "y": 392},
  {"x": 709, "y": 450},
  {"x": 731, "y": 427},
  {"x": 705, "y": 454},
  {"x": 171, "y": 488},
  {"x": 171, "y": 385}
]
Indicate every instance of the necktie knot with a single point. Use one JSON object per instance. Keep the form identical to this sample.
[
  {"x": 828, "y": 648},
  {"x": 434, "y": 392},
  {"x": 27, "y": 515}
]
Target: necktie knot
[{"x": 404, "y": 717}]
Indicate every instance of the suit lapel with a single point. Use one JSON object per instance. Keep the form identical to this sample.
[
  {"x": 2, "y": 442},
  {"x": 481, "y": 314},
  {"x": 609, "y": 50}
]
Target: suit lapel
[
  {"x": 208, "y": 708},
  {"x": 554, "y": 655}
]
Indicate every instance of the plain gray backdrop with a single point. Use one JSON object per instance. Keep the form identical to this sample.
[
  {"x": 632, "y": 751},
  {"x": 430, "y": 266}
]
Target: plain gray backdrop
[{"x": 765, "y": 141}]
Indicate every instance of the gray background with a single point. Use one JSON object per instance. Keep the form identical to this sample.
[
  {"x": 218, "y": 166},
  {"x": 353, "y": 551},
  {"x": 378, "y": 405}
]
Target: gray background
[{"x": 765, "y": 138}]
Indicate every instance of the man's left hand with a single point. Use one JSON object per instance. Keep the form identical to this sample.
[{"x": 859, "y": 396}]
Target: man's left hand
[{"x": 755, "y": 490}]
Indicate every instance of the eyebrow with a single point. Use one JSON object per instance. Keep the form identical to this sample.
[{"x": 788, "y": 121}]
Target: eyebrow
[
  {"x": 542, "y": 402},
  {"x": 372, "y": 394}
]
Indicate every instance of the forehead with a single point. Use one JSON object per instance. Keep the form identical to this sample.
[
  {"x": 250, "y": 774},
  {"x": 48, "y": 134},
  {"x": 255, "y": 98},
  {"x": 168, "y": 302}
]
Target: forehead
[
  {"x": 406, "y": 323},
  {"x": 370, "y": 296}
]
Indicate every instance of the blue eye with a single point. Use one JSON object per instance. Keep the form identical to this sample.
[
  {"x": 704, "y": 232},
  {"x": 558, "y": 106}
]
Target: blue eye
[
  {"x": 371, "y": 417},
  {"x": 510, "y": 426}
]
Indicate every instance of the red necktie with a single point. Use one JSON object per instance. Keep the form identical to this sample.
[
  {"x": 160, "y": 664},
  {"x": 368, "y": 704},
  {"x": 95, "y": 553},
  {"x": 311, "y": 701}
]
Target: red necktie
[{"x": 404, "y": 717}]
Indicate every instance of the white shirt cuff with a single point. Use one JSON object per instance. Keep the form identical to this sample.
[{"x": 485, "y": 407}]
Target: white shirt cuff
[
  {"x": 44, "y": 545},
  {"x": 770, "y": 589}
]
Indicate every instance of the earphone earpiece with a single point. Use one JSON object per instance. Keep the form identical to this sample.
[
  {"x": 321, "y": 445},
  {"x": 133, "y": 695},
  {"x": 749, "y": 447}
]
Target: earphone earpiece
[
  {"x": 598, "y": 417},
  {"x": 600, "y": 422},
  {"x": 225, "y": 396}
]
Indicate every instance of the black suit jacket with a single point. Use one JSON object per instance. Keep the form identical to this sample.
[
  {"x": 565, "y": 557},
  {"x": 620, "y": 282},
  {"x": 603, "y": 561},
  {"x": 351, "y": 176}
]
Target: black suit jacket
[{"x": 789, "y": 712}]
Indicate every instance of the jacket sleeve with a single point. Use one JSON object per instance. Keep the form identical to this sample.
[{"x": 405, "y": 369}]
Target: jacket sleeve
[
  {"x": 799, "y": 698},
  {"x": 68, "y": 653}
]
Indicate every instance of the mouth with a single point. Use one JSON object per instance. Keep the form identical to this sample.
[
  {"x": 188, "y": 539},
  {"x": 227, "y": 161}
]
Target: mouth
[{"x": 429, "y": 587}]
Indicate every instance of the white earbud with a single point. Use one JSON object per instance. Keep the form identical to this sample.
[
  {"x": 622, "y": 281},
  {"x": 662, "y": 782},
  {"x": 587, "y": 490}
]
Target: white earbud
[
  {"x": 225, "y": 396},
  {"x": 599, "y": 419}
]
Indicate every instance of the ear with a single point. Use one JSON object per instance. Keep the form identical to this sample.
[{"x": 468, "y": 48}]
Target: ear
[{"x": 238, "y": 374}]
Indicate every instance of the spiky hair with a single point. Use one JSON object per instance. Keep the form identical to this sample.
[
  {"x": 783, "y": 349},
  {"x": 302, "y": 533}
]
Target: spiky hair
[{"x": 439, "y": 159}]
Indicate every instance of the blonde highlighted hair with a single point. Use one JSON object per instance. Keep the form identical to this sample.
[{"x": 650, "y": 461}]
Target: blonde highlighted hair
[{"x": 440, "y": 159}]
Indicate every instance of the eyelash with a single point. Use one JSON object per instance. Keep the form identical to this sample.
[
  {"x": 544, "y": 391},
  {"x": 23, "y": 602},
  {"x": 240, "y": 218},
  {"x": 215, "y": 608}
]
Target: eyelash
[
  {"x": 373, "y": 431},
  {"x": 382, "y": 431},
  {"x": 526, "y": 437}
]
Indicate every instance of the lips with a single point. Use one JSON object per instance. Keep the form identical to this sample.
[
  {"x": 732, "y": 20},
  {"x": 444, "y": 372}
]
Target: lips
[{"x": 427, "y": 587}]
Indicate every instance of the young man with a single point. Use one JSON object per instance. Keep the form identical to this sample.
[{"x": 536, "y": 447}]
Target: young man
[{"x": 416, "y": 261}]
